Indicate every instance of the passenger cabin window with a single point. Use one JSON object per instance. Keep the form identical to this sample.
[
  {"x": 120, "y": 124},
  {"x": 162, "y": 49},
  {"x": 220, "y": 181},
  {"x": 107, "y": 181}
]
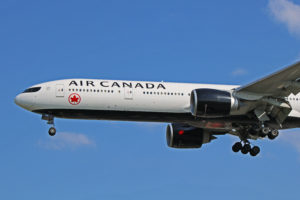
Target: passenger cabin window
[{"x": 33, "y": 89}]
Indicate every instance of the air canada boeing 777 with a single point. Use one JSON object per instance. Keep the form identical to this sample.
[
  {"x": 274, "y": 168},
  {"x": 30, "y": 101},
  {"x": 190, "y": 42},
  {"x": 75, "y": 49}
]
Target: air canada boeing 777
[{"x": 196, "y": 113}]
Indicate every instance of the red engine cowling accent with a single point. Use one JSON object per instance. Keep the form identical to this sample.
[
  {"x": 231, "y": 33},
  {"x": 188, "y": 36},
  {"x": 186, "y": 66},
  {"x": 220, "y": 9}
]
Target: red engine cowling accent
[{"x": 184, "y": 136}]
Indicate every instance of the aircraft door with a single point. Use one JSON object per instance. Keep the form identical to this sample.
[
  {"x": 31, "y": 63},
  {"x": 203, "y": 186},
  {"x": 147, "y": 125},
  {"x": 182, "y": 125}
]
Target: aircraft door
[
  {"x": 128, "y": 93},
  {"x": 60, "y": 90}
]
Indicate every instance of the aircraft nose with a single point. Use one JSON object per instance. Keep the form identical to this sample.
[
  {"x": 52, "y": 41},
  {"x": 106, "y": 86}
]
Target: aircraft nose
[
  {"x": 25, "y": 101},
  {"x": 17, "y": 100}
]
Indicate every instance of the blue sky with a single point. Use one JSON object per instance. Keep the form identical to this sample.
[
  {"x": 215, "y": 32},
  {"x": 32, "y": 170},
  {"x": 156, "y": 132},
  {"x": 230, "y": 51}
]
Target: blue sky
[{"x": 226, "y": 42}]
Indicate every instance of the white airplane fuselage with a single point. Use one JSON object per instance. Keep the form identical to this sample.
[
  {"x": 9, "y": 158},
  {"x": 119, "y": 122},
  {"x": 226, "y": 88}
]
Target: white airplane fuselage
[
  {"x": 196, "y": 113},
  {"x": 128, "y": 101}
]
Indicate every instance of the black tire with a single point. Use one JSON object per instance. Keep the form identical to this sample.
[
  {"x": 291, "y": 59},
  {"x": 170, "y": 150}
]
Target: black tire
[
  {"x": 52, "y": 131},
  {"x": 254, "y": 151},
  {"x": 237, "y": 147},
  {"x": 246, "y": 148},
  {"x": 261, "y": 134},
  {"x": 271, "y": 137},
  {"x": 273, "y": 134},
  {"x": 264, "y": 131}
]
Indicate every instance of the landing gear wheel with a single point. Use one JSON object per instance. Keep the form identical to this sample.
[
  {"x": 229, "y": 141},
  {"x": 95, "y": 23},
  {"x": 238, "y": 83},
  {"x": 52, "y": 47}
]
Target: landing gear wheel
[
  {"x": 254, "y": 151},
  {"x": 52, "y": 131},
  {"x": 237, "y": 147},
  {"x": 264, "y": 131},
  {"x": 246, "y": 148},
  {"x": 273, "y": 134}
]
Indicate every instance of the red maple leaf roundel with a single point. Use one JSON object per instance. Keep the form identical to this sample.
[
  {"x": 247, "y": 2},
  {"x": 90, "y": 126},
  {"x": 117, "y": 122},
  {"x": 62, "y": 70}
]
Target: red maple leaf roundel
[{"x": 74, "y": 99}]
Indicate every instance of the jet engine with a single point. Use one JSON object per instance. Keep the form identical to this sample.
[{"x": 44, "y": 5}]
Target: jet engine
[
  {"x": 212, "y": 103},
  {"x": 184, "y": 136}
]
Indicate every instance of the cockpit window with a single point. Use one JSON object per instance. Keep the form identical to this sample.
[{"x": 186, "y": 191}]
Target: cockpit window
[{"x": 33, "y": 89}]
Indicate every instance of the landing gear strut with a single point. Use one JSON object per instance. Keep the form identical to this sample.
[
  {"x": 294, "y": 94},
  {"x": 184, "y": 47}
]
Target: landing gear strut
[{"x": 50, "y": 120}]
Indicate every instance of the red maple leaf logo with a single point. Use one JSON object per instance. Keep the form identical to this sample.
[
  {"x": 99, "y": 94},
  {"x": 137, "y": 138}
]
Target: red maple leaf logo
[{"x": 74, "y": 99}]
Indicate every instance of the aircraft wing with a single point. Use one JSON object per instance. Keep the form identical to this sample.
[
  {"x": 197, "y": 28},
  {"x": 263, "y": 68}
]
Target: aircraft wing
[
  {"x": 269, "y": 93},
  {"x": 278, "y": 84}
]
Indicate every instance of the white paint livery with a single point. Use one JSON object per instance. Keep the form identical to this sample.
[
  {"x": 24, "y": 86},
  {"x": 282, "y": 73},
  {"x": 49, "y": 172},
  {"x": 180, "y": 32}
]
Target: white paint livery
[{"x": 256, "y": 110}]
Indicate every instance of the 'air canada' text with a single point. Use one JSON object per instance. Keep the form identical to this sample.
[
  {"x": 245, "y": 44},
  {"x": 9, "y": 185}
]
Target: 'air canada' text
[{"x": 118, "y": 84}]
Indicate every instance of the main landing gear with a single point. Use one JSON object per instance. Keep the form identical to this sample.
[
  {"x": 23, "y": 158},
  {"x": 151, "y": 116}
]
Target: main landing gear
[
  {"x": 50, "y": 120},
  {"x": 253, "y": 133},
  {"x": 271, "y": 133},
  {"x": 246, "y": 148}
]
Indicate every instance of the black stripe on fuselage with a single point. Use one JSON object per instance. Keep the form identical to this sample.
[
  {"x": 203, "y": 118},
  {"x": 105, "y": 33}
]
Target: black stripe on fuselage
[
  {"x": 117, "y": 115},
  {"x": 290, "y": 122}
]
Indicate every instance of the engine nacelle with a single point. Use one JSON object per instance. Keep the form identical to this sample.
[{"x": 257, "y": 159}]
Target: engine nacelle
[
  {"x": 212, "y": 103},
  {"x": 184, "y": 136}
]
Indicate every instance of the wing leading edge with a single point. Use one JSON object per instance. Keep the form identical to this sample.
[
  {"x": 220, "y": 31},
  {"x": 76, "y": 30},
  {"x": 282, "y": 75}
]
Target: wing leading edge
[{"x": 279, "y": 84}]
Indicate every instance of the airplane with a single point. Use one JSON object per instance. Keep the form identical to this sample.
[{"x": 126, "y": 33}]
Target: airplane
[{"x": 196, "y": 113}]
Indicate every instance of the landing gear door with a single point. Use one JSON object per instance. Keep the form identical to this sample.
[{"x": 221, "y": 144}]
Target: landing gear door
[
  {"x": 128, "y": 93},
  {"x": 60, "y": 90}
]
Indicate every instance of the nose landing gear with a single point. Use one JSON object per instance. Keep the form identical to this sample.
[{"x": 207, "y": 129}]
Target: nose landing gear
[
  {"x": 50, "y": 120},
  {"x": 52, "y": 131}
]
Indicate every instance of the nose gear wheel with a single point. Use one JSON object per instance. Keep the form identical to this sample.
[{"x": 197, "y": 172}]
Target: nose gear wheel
[{"x": 50, "y": 120}]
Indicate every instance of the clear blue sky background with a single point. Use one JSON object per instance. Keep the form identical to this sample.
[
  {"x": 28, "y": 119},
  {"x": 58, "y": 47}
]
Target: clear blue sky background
[{"x": 226, "y": 42}]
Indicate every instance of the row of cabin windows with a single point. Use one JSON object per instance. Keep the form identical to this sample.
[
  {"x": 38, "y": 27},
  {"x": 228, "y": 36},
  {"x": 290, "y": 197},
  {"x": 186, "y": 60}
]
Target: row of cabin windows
[
  {"x": 292, "y": 99},
  {"x": 112, "y": 91},
  {"x": 91, "y": 90},
  {"x": 165, "y": 93}
]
